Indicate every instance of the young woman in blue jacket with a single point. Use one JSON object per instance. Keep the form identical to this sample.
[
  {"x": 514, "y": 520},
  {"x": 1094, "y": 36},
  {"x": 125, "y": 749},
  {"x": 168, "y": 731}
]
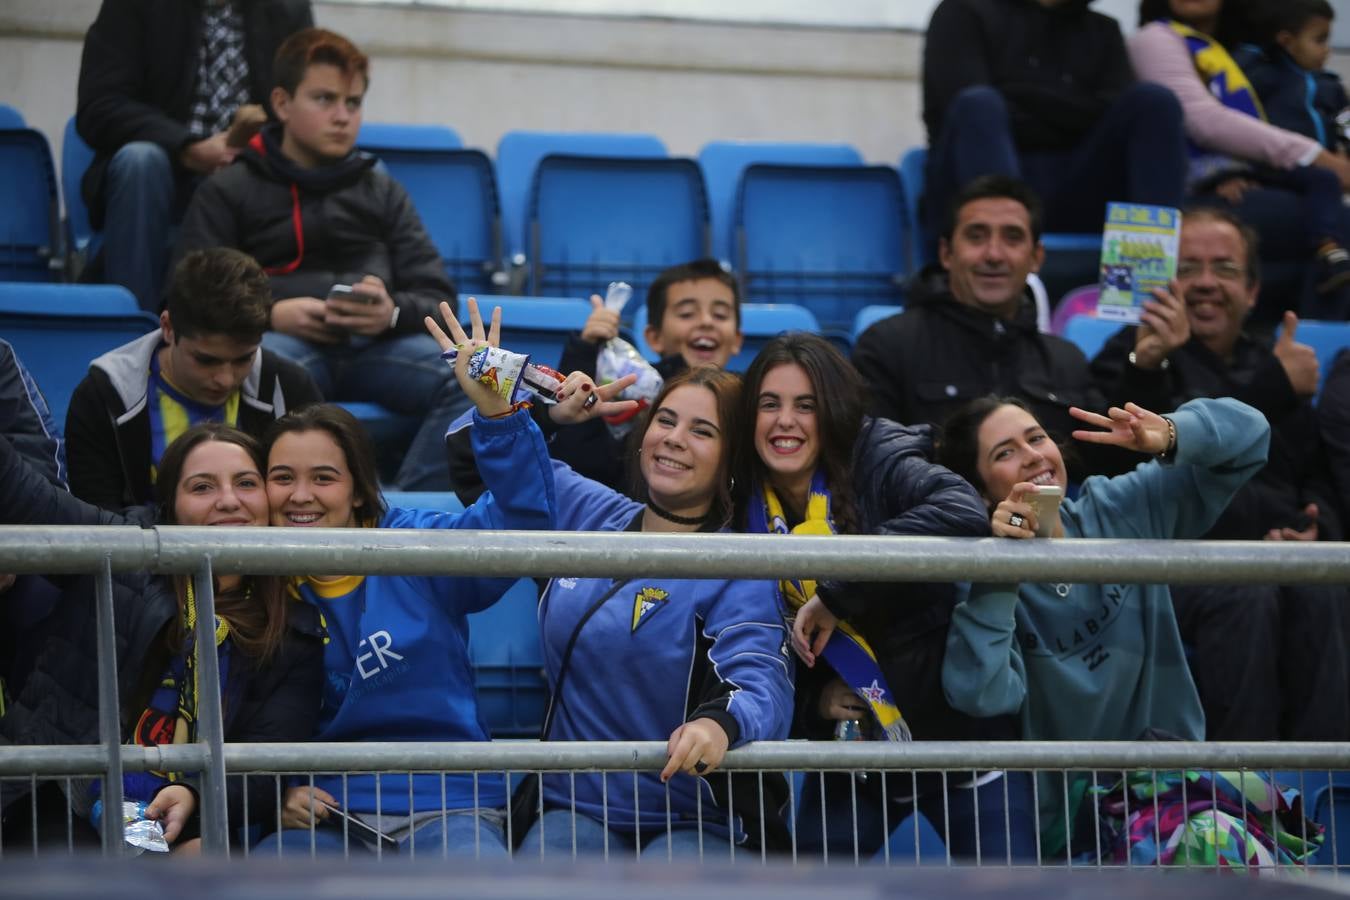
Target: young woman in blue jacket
[
  {"x": 816, "y": 464},
  {"x": 1099, "y": 662},
  {"x": 700, "y": 664},
  {"x": 396, "y": 656}
]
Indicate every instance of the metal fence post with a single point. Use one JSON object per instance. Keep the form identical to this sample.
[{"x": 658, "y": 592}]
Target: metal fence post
[
  {"x": 210, "y": 725},
  {"x": 109, "y": 711}
]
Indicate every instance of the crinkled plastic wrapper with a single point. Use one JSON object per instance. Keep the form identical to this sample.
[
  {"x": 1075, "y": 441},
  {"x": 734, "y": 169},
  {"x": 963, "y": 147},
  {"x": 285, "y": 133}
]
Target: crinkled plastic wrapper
[
  {"x": 616, "y": 359},
  {"x": 140, "y": 833}
]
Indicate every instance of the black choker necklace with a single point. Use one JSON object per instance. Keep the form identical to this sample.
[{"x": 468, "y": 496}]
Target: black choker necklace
[{"x": 678, "y": 520}]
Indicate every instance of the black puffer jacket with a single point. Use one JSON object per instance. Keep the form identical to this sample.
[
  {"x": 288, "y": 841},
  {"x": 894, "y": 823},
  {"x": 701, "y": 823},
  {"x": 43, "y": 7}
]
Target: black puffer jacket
[
  {"x": 898, "y": 491},
  {"x": 355, "y": 221},
  {"x": 59, "y": 701},
  {"x": 138, "y": 74},
  {"x": 1058, "y": 67}
]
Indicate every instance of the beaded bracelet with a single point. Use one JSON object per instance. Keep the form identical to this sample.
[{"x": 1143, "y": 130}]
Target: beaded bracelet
[{"x": 1171, "y": 440}]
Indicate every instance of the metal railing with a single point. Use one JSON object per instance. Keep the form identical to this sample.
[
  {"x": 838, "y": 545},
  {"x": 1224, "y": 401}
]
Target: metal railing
[{"x": 202, "y": 552}]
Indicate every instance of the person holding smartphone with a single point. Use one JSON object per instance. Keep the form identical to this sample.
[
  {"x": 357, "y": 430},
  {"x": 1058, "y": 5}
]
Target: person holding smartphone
[{"x": 1089, "y": 661}]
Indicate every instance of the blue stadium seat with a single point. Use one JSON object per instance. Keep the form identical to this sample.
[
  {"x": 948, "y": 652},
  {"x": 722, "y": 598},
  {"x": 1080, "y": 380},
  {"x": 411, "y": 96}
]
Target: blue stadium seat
[
  {"x": 1090, "y": 333},
  {"x": 445, "y": 501},
  {"x": 914, "y": 842},
  {"x": 11, "y": 117},
  {"x": 1327, "y": 338},
  {"x": 538, "y": 326},
  {"x": 76, "y": 156},
  {"x": 723, "y": 162},
  {"x": 596, "y": 219},
  {"x": 759, "y": 323},
  {"x": 912, "y": 174},
  {"x": 519, "y": 153},
  {"x": 57, "y": 329},
  {"x": 828, "y": 238},
  {"x": 406, "y": 136},
  {"x": 30, "y": 216},
  {"x": 869, "y": 316},
  {"x": 455, "y": 194},
  {"x": 1330, "y": 808}
]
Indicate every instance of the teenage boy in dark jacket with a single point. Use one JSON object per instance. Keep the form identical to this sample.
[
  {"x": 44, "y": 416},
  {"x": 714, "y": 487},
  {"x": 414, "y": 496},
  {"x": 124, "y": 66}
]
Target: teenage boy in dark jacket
[
  {"x": 204, "y": 364},
  {"x": 1043, "y": 89},
  {"x": 160, "y": 82},
  {"x": 315, "y": 213}
]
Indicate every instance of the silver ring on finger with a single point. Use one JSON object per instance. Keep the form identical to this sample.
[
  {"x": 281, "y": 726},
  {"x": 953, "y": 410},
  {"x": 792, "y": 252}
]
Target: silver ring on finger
[
  {"x": 700, "y": 767},
  {"x": 593, "y": 399},
  {"x": 1016, "y": 520}
]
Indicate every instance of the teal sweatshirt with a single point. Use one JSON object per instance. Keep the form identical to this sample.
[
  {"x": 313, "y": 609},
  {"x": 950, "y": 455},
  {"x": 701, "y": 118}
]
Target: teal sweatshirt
[{"x": 1105, "y": 661}]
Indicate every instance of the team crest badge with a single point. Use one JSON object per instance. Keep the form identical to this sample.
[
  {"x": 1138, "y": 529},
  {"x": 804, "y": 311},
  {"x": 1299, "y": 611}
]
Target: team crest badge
[{"x": 646, "y": 603}]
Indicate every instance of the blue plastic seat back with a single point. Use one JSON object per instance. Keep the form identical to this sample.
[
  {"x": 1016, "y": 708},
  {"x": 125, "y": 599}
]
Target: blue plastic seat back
[
  {"x": 11, "y": 117},
  {"x": 1326, "y": 338},
  {"x": 1330, "y": 805},
  {"x": 58, "y": 329},
  {"x": 759, "y": 323},
  {"x": 508, "y": 663},
  {"x": 830, "y": 239},
  {"x": 76, "y": 156},
  {"x": 1090, "y": 333},
  {"x": 539, "y": 326},
  {"x": 871, "y": 315},
  {"x": 519, "y": 153},
  {"x": 455, "y": 194},
  {"x": 914, "y": 842},
  {"x": 599, "y": 219},
  {"x": 377, "y": 136},
  {"x": 913, "y": 173},
  {"x": 722, "y": 163},
  {"x": 30, "y": 216}
]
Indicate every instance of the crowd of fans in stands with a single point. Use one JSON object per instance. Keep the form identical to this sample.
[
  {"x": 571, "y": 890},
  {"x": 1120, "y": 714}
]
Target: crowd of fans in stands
[{"x": 949, "y": 420}]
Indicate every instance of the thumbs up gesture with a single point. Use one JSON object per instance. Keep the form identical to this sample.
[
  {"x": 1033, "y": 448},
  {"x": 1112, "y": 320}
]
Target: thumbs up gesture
[{"x": 1299, "y": 360}]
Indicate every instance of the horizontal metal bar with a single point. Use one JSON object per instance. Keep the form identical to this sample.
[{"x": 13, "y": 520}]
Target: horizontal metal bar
[
  {"x": 497, "y": 756},
  {"x": 179, "y": 549}
]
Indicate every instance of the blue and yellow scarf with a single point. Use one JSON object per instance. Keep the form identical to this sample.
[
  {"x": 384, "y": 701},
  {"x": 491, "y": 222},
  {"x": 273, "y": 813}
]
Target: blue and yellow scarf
[
  {"x": 847, "y": 652},
  {"x": 1226, "y": 81}
]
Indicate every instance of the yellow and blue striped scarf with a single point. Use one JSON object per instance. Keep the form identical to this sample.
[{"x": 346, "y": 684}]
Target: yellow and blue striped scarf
[
  {"x": 846, "y": 652},
  {"x": 1226, "y": 81}
]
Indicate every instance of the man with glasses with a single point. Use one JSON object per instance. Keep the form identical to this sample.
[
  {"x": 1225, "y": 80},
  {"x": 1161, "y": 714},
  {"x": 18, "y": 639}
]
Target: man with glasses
[{"x": 1269, "y": 662}]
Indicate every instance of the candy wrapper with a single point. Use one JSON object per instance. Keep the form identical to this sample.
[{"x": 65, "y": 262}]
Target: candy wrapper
[
  {"x": 618, "y": 358},
  {"x": 140, "y": 833},
  {"x": 511, "y": 375}
]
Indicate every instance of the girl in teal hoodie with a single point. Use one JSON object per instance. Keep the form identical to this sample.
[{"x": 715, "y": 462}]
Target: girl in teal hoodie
[{"x": 1090, "y": 661}]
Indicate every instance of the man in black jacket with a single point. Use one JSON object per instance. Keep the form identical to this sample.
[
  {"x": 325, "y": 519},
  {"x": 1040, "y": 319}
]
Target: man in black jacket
[
  {"x": 160, "y": 82},
  {"x": 319, "y": 215},
  {"x": 1269, "y": 662},
  {"x": 971, "y": 330},
  {"x": 204, "y": 364},
  {"x": 1043, "y": 89}
]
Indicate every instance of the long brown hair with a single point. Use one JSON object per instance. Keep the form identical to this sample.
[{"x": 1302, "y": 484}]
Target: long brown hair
[
  {"x": 726, "y": 388},
  {"x": 840, "y": 393},
  {"x": 256, "y": 610}
]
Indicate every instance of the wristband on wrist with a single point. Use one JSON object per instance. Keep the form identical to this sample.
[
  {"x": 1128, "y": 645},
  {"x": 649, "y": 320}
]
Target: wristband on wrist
[
  {"x": 1171, "y": 440},
  {"x": 515, "y": 408}
]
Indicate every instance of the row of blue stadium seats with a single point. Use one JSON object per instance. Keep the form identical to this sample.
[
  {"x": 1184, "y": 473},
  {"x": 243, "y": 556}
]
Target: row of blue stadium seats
[{"x": 561, "y": 214}]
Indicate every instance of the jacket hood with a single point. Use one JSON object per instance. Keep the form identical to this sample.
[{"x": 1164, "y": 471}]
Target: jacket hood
[
  {"x": 128, "y": 371},
  {"x": 264, "y": 154}
]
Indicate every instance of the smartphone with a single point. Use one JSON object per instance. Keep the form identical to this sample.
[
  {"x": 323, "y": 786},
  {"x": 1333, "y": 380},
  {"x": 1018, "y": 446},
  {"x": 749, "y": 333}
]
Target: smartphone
[
  {"x": 387, "y": 843},
  {"x": 345, "y": 292},
  {"x": 1045, "y": 502}
]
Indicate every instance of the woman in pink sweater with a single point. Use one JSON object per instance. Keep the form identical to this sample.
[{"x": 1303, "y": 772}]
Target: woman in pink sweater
[{"x": 1286, "y": 184}]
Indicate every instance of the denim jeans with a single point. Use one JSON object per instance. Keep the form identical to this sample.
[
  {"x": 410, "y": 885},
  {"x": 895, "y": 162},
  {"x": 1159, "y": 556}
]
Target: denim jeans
[
  {"x": 144, "y": 198},
  {"x": 450, "y": 835},
  {"x": 403, "y": 373},
  {"x": 1136, "y": 152},
  {"x": 552, "y": 836},
  {"x": 1004, "y": 829}
]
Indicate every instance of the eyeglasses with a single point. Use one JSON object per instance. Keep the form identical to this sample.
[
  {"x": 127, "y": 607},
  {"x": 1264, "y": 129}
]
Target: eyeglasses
[{"x": 1224, "y": 271}]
